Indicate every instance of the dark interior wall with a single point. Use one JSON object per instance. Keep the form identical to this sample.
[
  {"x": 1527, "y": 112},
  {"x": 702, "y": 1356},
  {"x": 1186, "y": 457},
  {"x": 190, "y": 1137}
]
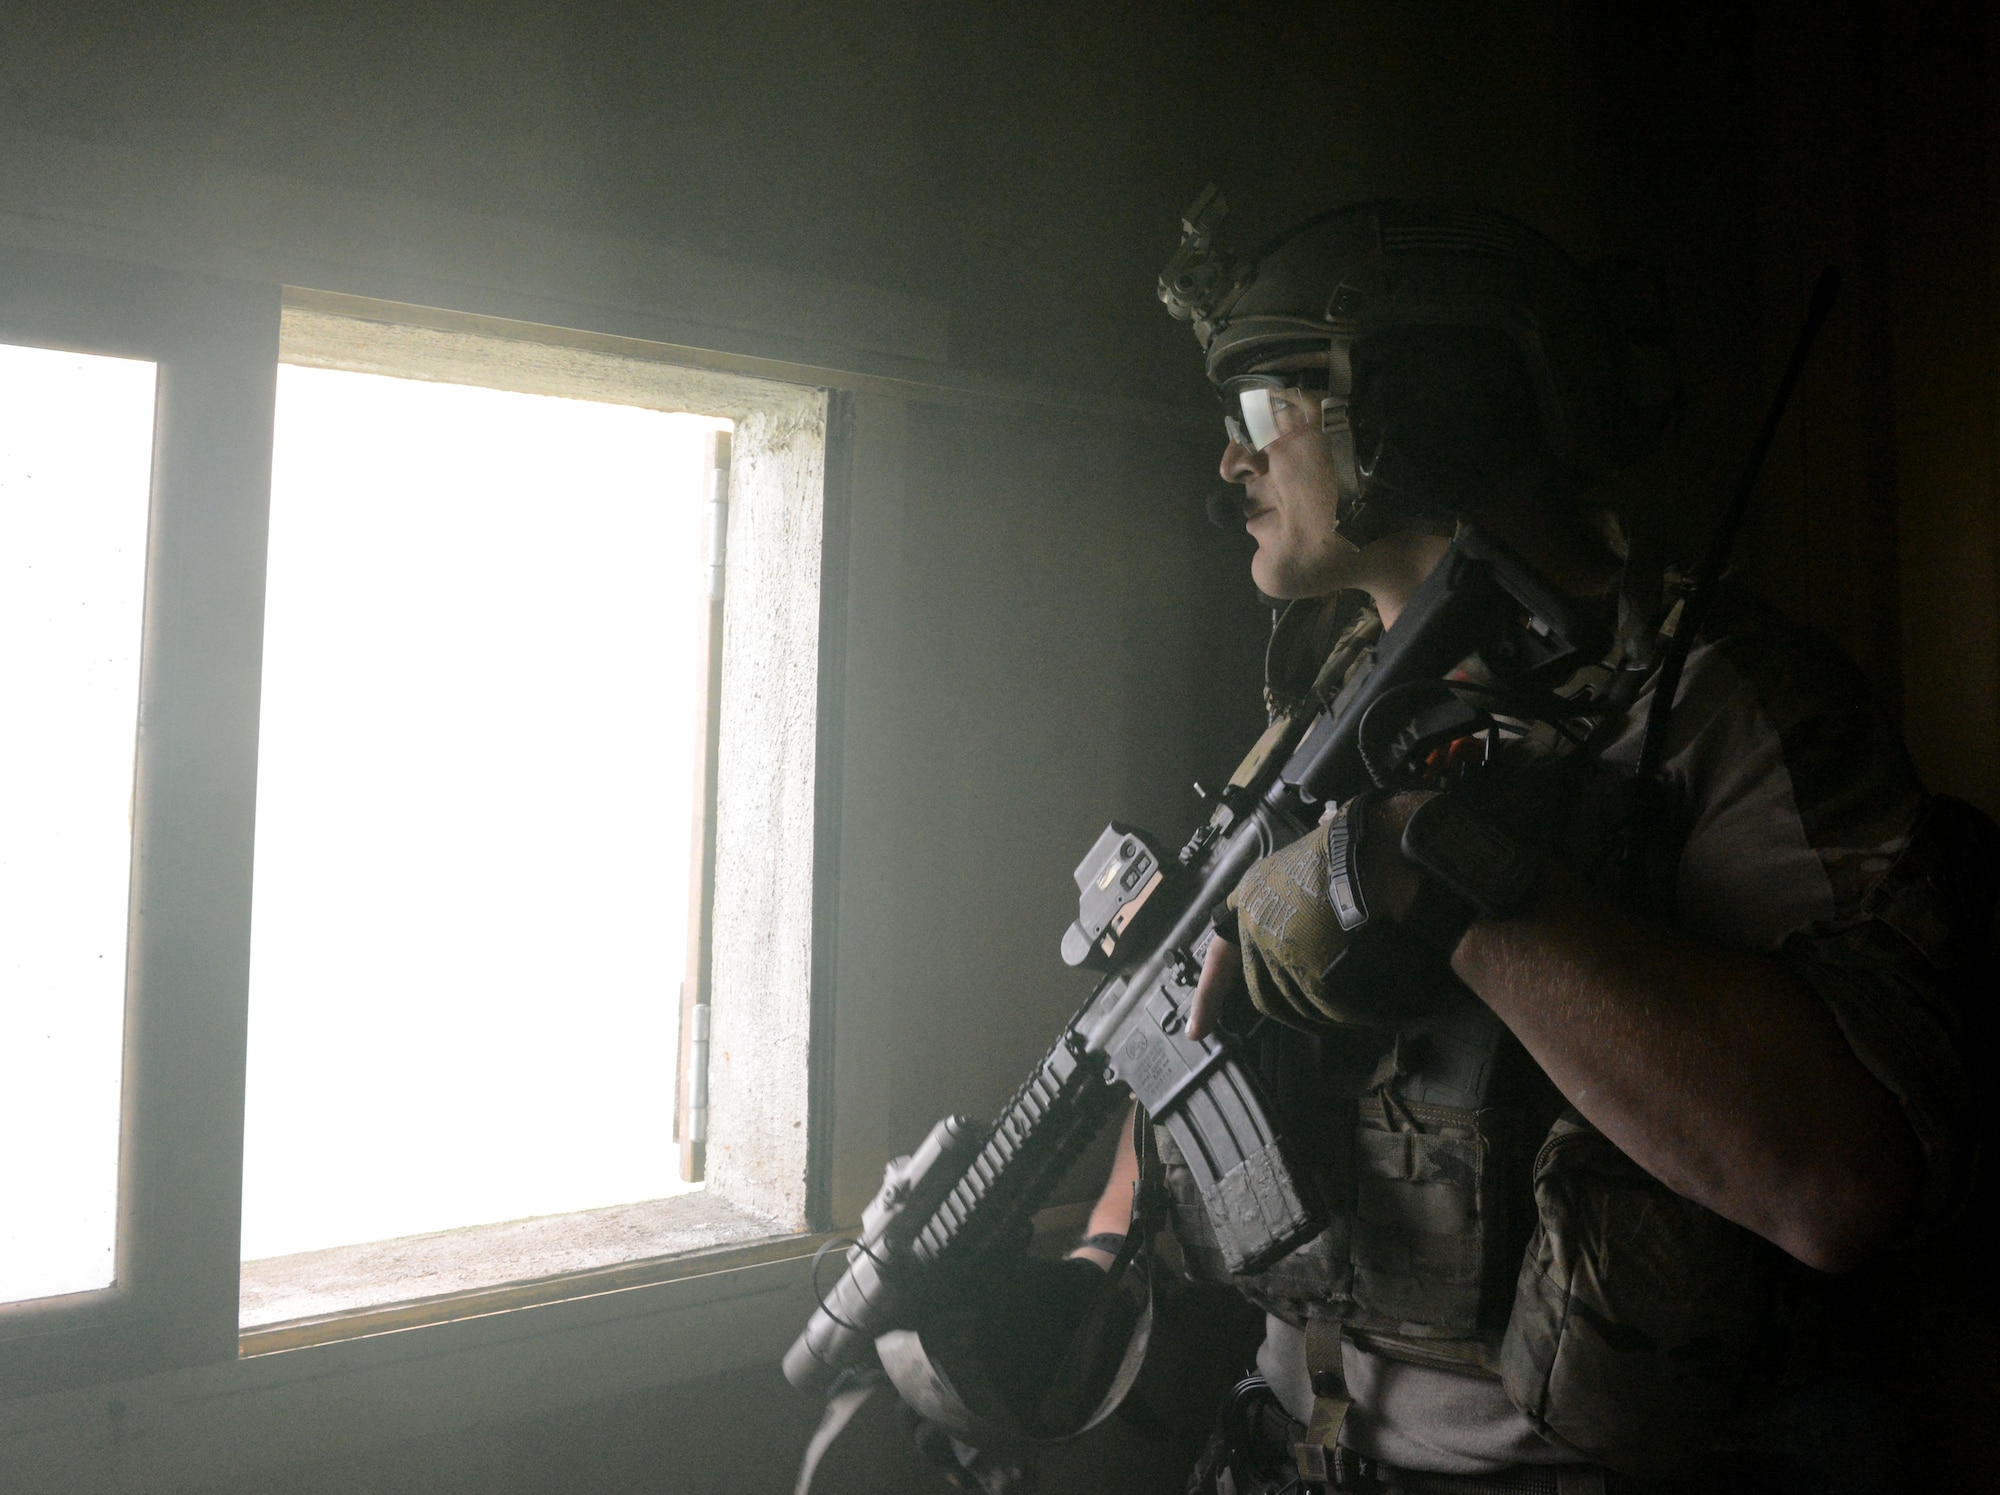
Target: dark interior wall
[
  {"x": 736, "y": 1434},
  {"x": 1939, "y": 170},
  {"x": 1042, "y": 645},
  {"x": 1024, "y": 164}
]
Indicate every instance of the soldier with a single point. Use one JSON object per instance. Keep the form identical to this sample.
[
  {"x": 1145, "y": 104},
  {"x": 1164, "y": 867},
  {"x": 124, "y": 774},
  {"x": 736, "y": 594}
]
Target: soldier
[{"x": 1594, "y": 1166}]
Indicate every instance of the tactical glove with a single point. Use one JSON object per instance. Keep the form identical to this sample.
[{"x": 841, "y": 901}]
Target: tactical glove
[
  {"x": 1288, "y": 932},
  {"x": 1293, "y": 948}
]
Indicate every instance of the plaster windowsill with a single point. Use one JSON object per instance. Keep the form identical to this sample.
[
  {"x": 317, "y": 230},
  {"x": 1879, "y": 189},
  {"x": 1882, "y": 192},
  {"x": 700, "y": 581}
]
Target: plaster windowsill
[{"x": 342, "y": 1279}]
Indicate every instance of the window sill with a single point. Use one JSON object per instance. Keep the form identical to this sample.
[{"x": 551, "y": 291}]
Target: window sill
[
  {"x": 320, "y": 1297},
  {"x": 321, "y": 1285}
]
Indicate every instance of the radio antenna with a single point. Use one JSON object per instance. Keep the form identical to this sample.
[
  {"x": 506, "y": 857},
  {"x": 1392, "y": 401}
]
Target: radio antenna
[{"x": 1700, "y": 594}]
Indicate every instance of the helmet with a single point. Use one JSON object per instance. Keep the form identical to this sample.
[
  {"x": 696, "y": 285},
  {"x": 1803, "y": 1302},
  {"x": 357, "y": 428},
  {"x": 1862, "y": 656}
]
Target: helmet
[{"x": 1589, "y": 355}]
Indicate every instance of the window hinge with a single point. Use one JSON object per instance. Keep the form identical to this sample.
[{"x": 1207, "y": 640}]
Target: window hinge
[
  {"x": 717, "y": 523},
  {"x": 697, "y": 1114}
]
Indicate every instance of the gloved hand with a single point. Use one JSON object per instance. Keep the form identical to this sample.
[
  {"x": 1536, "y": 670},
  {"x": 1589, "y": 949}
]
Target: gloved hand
[
  {"x": 1286, "y": 928},
  {"x": 1291, "y": 940}
]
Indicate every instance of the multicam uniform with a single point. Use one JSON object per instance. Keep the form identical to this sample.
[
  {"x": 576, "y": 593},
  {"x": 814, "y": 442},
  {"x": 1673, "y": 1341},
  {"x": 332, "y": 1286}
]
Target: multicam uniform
[{"x": 1503, "y": 1288}]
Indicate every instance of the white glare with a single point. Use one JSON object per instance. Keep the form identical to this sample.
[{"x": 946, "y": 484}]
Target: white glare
[
  {"x": 76, "y": 441},
  {"x": 475, "y": 775}
]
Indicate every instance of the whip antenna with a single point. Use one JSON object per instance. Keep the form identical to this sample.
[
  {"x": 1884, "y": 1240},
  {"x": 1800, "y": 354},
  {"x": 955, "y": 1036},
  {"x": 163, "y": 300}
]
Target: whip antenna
[{"x": 1700, "y": 593}]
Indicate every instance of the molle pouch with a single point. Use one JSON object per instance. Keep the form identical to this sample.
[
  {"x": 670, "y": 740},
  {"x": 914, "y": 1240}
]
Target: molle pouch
[
  {"x": 1430, "y": 1222},
  {"x": 1637, "y": 1312}
]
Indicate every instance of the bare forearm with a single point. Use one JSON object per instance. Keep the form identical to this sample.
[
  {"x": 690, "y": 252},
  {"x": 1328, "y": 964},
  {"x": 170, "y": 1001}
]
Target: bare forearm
[
  {"x": 1717, "y": 1071},
  {"x": 1112, "y": 1214}
]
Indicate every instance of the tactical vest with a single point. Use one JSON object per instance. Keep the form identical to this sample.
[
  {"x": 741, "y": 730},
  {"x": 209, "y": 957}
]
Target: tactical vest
[
  {"x": 1480, "y": 1225},
  {"x": 1422, "y": 1140}
]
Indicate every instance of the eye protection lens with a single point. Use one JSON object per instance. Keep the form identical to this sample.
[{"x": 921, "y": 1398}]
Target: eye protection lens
[{"x": 1257, "y": 410}]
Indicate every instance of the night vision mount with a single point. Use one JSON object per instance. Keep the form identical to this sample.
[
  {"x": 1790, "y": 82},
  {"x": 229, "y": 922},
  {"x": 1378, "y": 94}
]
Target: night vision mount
[{"x": 1202, "y": 279}]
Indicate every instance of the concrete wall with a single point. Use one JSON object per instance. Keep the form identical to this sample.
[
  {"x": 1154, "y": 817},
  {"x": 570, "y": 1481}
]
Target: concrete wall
[
  {"x": 1040, "y": 633},
  {"x": 761, "y": 932}
]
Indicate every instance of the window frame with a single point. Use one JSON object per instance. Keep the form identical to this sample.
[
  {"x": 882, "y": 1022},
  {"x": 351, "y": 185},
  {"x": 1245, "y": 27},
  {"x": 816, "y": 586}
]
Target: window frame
[
  {"x": 792, "y": 437},
  {"x": 217, "y": 344},
  {"x": 769, "y": 469},
  {"x": 187, "y": 963}
]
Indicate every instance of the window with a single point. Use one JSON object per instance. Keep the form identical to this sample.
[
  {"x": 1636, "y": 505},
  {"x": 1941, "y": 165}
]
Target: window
[
  {"x": 76, "y": 448},
  {"x": 163, "y": 605},
  {"x": 479, "y": 653},
  {"x": 482, "y": 816}
]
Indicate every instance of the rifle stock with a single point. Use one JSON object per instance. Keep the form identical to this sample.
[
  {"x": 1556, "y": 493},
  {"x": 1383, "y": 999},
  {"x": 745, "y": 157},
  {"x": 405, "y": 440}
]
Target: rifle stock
[{"x": 1146, "y": 920}]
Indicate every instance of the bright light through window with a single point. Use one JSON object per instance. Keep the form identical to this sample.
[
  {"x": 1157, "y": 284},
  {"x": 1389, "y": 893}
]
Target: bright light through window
[
  {"x": 474, "y": 785},
  {"x": 76, "y": 439}
]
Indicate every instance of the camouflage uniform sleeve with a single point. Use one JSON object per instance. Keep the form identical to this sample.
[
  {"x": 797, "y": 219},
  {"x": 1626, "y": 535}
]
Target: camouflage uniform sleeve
[
  {"x": 1901, "y": 977},
  {"x": 1811, "y": 837}
]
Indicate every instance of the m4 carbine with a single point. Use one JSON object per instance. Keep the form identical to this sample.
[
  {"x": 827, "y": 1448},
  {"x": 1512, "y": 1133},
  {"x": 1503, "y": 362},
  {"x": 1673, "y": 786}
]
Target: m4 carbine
[{"x": 1145, "y": 921}]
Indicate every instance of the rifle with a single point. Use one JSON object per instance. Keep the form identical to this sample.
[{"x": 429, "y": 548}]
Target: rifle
[{"x": 966, "y": 1195}]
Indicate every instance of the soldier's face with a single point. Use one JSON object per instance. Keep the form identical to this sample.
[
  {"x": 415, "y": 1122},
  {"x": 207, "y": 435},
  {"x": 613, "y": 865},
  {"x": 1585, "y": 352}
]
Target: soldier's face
[{"x": 1290, "y": 503}]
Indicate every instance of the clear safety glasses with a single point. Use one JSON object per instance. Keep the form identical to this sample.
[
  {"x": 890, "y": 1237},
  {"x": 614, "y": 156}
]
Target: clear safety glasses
[{"x": 1259, "y": 408}]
